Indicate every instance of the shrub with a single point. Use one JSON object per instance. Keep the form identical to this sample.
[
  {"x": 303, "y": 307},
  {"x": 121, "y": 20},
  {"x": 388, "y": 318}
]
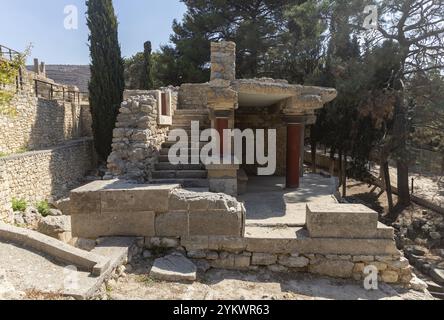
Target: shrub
[
  {"x": 43, "y": 208},
  {"x": 19, "y": 205}
]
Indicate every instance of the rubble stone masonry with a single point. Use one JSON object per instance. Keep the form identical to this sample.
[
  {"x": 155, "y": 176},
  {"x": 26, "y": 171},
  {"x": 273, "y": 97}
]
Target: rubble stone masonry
[
  {"x": 39, "y": 175},
  {"x": 33, "y": 123}
]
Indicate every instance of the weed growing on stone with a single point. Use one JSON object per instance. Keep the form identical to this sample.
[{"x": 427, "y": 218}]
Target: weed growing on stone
[
  {"x": 43, "y": 208},
  {"x": 19, "y": 205}
]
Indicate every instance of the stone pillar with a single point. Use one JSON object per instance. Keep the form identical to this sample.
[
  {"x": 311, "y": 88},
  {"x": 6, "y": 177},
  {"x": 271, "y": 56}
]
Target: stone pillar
[
  {"x": 294, "y": 132},
  {"x": 295, "y": 127},
  {"x": 223, "y": 61},
  {"x": 221, "y": 124},
  {"x": 302, "y": 152},
  {"x": 36, "y": 66}
]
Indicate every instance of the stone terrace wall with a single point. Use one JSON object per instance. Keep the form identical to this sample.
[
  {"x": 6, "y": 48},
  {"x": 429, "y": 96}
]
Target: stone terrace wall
[
  {"x": 38, "y": 175},
  {"x": 193, "y": 96},
  {"x": 34, "y": 123}
]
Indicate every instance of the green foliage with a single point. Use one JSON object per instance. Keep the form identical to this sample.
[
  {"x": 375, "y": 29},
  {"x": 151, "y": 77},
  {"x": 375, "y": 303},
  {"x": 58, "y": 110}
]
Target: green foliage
[
  {"x": 43, "y": 208},
  {"x": 139, "y": 70},
  {"x": 19, "y": 205},
  {"x": 107, "y": 73},
  {"x": 147, "y": 81},
  {"x": 133, "y": 71},
  {"x": 9, "y": 70},
  {"x": 255, "y": 26}
]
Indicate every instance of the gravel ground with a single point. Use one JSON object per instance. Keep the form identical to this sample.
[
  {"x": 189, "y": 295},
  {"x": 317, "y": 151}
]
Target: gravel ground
[{"x": 258, "y": 285}]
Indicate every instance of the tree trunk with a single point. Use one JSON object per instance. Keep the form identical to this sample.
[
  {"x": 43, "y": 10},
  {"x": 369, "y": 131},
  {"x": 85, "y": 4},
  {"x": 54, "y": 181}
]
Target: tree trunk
[
  {"x": 388, "y": 185},
  {"x": 313, "y": 155},
  {"x": 344, "y": 176},
  {"x": 341, "y": 169},
  {"x": 400, "y": 132}
]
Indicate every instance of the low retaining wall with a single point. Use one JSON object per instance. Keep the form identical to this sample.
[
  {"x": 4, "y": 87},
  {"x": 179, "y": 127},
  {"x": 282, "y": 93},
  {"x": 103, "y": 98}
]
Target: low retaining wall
[
  {"x": 39, "y": 175},
  {"x": 337, "y": 258},
  {"x": 340, "y": 239},
  {"x": 120, "y": 208}
]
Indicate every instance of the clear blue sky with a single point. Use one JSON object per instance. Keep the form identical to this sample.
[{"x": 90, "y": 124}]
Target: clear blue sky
[{"x": 41, "y": 22}]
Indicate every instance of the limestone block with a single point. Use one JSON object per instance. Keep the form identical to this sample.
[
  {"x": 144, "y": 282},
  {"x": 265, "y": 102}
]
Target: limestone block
[
  {"x": 228, "y": 186},
  {"x": 225, "y": 261},
  {"x": 242, "y": 261},
  {"x": 277, "y": 268},
  {"x": 293, "y": 262},
  {"x": 263, "y": 259},
  {"x": 58, "y": 227},
  {"x": 390, "y": 276},
  {"x": 85, "y": 200},
  {"x": 359, "y": 268},
  {"x": 197, "y": 254},
  {"x": 379, "y": 265},
  {"x": 363, "y": 259},
  {"x": 131, "y": 197},
  {"x": 341, "y": 221},
  {"x": 231, "y": 244},
  {"x": 215, "y": 223},
  {"x": 139, "y": 224},
  {"x": 172, "y": 224},
  {"x": 174, "y": 267},
  {"x": 212, "y": 255},
  {"x": 399, "y": 264},
  {"x": 333, "y": 268}
]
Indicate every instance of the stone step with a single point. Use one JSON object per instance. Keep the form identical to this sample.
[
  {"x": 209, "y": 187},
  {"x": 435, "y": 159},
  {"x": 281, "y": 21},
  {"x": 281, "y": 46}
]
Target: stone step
[
  {"x": 176, "y": 167},
  {"x": 191, "y": 117},
  {"x": 191, "y": 111},
  {"x": 163, "y": 158},
  {"x": 166, "y": 151},
  {"x": 187, "y": 127},
  {"x": 169, "y": 144},
  {"x": 185, "y": 183},
  {"x": 180, "y": 174}
]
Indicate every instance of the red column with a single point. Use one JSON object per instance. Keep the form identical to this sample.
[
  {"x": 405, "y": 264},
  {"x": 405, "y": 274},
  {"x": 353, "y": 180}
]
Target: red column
[
  {"x": 221, "y": 125},
  {"x": 294, "y": 133}
]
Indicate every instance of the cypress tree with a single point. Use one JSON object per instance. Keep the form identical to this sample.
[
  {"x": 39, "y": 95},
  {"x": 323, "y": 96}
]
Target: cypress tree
[
  {"x": 107, "y": 73},
  {"x": 146, "y": 81}
]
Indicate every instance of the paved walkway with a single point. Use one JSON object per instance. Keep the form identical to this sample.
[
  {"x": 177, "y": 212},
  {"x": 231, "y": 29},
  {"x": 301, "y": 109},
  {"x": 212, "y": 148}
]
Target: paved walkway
[
  {"x": 28, "y": 270},
  {"x": 269, "y": 204}
]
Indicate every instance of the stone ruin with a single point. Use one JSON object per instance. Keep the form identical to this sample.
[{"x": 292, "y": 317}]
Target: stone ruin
[{"x": 195, "y": 207}]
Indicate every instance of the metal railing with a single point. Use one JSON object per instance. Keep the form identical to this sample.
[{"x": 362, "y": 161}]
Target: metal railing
[
  {"x": 8, "y": 53},
  {"x": 52, "y": 89}
]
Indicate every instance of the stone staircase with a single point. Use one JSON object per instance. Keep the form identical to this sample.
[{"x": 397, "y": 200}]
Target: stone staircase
[{"x": 188, "y": 175}]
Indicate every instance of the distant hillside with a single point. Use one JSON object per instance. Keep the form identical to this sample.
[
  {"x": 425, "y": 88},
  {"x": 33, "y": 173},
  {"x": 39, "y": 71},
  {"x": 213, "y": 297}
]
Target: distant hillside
[{"x": 77, "y": 75}]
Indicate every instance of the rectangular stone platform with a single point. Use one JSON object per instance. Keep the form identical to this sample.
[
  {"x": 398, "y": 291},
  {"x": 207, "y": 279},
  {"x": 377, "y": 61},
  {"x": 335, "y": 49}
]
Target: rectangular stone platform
[
  {"x": 120, "y": 208},
  {"x": 341, "y": 221}
]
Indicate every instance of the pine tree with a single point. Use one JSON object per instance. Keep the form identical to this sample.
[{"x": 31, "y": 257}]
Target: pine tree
[
  {"x": 107, "y": 73},
  {"x": 147, "y": 81}
]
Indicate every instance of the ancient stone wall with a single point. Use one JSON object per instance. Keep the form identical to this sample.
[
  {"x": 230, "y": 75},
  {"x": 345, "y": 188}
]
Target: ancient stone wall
[
  {"x": 265, "y": 118},
  {"x": 116, "y": 207},
  {"x": 138, "y": 135},
  {"x": 33, "y": 123},
  {"x": 39, "y": 175},
  {"x": 193, "y": 96}
]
